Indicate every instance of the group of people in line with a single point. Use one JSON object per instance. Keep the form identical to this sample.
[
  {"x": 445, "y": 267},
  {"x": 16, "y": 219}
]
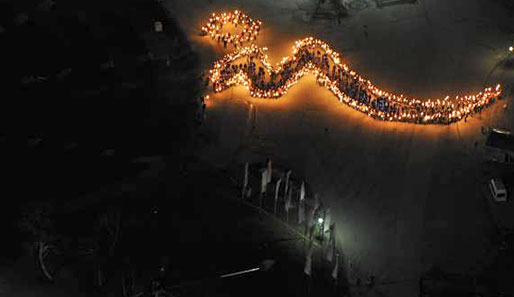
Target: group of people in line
[{"x": 348, "y": 84}]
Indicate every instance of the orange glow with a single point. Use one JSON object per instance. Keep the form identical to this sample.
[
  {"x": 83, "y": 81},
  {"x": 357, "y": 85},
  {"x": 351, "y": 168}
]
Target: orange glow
[
  {"x": 249, "y": 33},
  {"x": 312, "y": 55}
]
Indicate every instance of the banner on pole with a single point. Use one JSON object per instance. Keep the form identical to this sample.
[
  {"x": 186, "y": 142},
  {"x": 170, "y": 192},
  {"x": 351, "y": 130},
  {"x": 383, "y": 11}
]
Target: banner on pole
[
  {"x": 327, "y": 220},
  {"x": 288, "y": 203},
  {"x": 301, "y": 211},
  {"x": 336, "y": 267},
  {"x": 288, "y": 176},
  {"x": 308, "y": 260},
  {"x": 269, "y": 171},
  {"x": 264, "y": 180},
  {"x": 331, "y": 243},
  {"x": 301, "y": 204},
  {"x": 277, "y": 188},
  {"x": 245, "y": 181}
]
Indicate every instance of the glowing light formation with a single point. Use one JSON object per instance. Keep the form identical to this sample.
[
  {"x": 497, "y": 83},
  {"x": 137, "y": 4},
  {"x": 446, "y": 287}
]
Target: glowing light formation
[
  {"x": 248, "y": 34},
  {"x": 312, "y": 55}
]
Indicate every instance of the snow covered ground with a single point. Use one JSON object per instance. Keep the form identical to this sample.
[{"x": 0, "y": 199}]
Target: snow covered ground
[{"x": 406, "y": 197}]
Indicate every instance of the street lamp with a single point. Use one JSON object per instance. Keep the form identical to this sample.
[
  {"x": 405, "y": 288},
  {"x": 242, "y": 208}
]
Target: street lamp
[
  {"x": 320, "y": 221},
  {"x": 511, "y": 49}
]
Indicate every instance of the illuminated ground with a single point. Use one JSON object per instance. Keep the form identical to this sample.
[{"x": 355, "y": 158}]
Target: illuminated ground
[{"x": 406, "y": 197}]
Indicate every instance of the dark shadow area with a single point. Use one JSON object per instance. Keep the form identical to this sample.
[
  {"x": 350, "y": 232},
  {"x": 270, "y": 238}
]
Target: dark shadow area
[
  {"x": 104, "y": 196},
  {"x": 85, "y": 93}
]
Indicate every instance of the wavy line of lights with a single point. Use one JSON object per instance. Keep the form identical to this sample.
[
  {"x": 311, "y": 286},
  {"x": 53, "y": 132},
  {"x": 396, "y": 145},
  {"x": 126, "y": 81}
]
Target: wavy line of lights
[{"x": 312, "y": 55}]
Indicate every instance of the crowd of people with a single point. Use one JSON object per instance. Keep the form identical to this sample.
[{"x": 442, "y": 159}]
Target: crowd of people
[
  {"x": 249, "y": 32},
  {"x": 249, "y": 66}
]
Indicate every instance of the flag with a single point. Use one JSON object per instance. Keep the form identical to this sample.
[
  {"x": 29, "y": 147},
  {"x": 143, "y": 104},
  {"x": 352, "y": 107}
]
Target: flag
[
  {"x": 331, "y": 243},
  {"x": 288, "y": 175},
  {"x": 277, "y": 187},
  {"x": 269, "y": 171},
  {"x": 330, "y": 252},
  {"x": 245, "y": 182},
  {"x": 264, "y": 180},
  {"x": 336, "y": 267},
  {"x": 326, "y": 221},
  {"x": 308, "y": 260},
  {"x": 301, "y": 211},
  {"x": 288, "y": 204},
  {"x": 310, "y": 222},
  {"x": 301, "y": 204}
]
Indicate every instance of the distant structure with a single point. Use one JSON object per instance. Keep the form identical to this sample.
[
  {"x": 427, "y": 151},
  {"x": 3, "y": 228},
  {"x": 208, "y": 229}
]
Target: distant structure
[
  {"x": 386, "y": 3},
  {"x": 499, "y": 146},
  {"x": 337, "y": 10}
]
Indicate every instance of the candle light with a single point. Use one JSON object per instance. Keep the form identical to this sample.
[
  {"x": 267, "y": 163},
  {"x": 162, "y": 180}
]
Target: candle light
[{"x": 362, "y": 95}]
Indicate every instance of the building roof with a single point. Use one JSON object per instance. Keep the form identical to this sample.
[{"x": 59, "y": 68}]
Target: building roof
[{"x": 502, "y": 141}]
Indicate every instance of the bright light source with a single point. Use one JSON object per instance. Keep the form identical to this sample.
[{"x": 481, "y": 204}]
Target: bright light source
[
  {"x": 511, "y": 49},
  {"x": 410, "y": 110},
  {"x": 320, "y": 220}
]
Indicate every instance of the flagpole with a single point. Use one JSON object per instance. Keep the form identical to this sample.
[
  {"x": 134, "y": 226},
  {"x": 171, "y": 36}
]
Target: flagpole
[
  {"x": 264, "y": 185},
  {"x": 277, "y": 188}
]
